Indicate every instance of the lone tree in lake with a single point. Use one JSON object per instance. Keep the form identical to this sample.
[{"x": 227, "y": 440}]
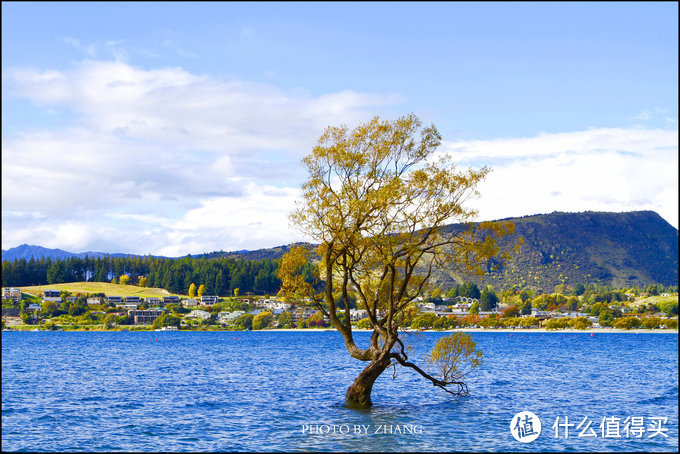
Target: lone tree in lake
[{"x": 376, "y": 201}]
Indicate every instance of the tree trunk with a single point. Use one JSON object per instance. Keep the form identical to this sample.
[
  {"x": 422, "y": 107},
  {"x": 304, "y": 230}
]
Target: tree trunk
[{"x": 359, "y": 394}]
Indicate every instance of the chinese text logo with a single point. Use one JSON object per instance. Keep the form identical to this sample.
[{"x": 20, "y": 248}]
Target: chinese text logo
[{"x": 525, "y": 427}]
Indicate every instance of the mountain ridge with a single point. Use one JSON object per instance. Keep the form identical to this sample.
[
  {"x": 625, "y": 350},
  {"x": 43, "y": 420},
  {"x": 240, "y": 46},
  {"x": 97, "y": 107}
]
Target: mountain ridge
[
  {"x": 619, "y": 249},
  {"x": 28, "y": 251}
]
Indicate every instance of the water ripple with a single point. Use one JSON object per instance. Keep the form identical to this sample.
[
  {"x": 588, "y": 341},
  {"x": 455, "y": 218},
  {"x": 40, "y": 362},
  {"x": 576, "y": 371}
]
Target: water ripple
[{"x": 257, "y": 391}]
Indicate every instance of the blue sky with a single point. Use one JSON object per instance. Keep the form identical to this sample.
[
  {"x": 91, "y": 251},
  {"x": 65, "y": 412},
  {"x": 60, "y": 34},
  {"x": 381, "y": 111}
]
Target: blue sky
[{"x": 174, "y": 128}]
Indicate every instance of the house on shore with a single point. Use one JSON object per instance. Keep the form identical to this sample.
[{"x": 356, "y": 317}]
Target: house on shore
[
  {"x": 133, "y": 300},
  {"x": 228, "y": 317},
  {"x": 153, "y": 301},
  {"x": 114, "y": 299},
  {"x": 145, "y": 317},
  {"x": 209, "y": 300},
  {"x": 199, "y": 314},
  {"x": 11, "y": 293},
  {"x": 170, "y": 300},
  {"x": 189, "y": 302},
  {"x": 52, "y": 295}
]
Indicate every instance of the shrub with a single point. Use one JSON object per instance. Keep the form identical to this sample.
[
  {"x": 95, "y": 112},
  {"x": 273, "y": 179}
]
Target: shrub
[
  {"x": 453, "y": 321},
  {"x": 512, "y": 322},
  {"x": 490, "y": 321},
  {"x": 580, "y": 323},
  {"x": 627, "y": 323},
  {"x": 364, "y": 323},
  {"x": 284, "y": 319},
  {"x": 440, "y": 323},
  {"x": 557, "y": 323},
  {"x": 263, "y": 320},
  {"x": 551, "y": 324},
  {"x": 245, "y": 321},
  {"x": 651, "y": 322},
  {"x": 528, "y": 322},
  {"x": 510, "y": 311},
  {"x": 166, "y": 320},
  {"x": 424, "y": 321}
]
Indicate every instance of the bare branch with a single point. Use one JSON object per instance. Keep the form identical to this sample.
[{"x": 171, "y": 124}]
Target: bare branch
[{"x": 462, "y": 389}]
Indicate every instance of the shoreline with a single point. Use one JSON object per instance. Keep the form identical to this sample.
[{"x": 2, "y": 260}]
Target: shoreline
[
  {"x": 409, "y": 331},
  {"x": 499, "y": 330}
]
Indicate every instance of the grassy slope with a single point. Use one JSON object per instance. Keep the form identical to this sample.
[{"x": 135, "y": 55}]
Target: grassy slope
[
  {"x": 659, "y": 301},
  {"x": 99, "y": 287},
  {"x": 619, "y": 249}
]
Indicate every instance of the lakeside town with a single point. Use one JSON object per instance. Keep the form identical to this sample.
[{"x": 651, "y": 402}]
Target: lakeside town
[{"x": 463, "y": 307}]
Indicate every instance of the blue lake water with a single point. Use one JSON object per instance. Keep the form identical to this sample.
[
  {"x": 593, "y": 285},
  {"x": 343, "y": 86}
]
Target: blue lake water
[{"x": 265, "y": 391}]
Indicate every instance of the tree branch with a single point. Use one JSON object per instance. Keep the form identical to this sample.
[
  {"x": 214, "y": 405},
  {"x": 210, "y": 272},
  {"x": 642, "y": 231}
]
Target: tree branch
[{"x": 462, "y": 389}]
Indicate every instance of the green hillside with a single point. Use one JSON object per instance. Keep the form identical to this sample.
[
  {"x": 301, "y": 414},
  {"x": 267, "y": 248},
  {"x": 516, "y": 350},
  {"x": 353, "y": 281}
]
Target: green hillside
[
  {"x": 260, "y": 254},
  {"x": 619, "y": 249}
]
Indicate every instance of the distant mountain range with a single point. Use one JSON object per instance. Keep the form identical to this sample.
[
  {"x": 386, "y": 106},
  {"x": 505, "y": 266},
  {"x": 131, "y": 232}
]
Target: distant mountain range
[
  {"x": 27, "y": 251},
  {"x": 619, "y": 249}
]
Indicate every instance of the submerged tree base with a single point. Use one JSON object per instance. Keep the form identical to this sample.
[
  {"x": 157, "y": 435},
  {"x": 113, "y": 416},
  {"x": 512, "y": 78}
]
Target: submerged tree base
[
  {"x": 358, "y": 400},
  {"x": 358, "y": 395}
]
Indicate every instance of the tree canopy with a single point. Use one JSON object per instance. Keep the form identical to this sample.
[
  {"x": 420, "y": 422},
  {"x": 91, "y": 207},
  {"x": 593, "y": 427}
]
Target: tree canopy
[{"x": 376, "y": 200}]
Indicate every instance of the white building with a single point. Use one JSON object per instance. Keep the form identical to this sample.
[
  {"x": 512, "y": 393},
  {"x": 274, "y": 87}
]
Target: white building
[
  {"x": 189, "y": 302},
  {"x": 199, "y": 314},
  {"x": 274, "y": 305},
  {"x": 301, "y": 313},
  {"x": 153, "y": 301},
  {"x": 357, "y": 314},
  {"x": 467, "y": 300},
  {"x": 11, "y": 293},
  {"x": 228, "y": 317}
]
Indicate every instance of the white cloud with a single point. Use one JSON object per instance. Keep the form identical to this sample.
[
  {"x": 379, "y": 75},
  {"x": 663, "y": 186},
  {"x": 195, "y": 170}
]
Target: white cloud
[
  {"x": 171, "y": 104},
  {"x": 259, "y": 219},
  {"x": 601, "y": 170},
  {"x": 68, "y": 235},
  {"x": 632, "y": 140},
  {"x": 164, "y": 161},
  {"x": 152, "y": 145},
  {"x": 643, "y": 116},
  {"x": 90, "y": 49}
]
